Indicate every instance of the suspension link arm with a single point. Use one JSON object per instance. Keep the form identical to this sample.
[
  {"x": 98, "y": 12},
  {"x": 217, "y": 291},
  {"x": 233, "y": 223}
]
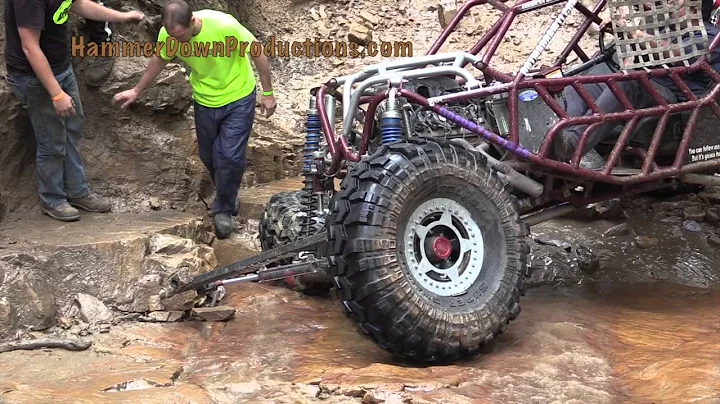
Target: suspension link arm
[{"x": 179, "y": 283}]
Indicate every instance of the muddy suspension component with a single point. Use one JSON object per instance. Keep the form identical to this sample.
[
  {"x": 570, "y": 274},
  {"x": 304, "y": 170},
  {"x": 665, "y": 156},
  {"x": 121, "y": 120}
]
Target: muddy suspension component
[
  {"x": 253, "y": 269},
  {"x": 310, "y": 198}
]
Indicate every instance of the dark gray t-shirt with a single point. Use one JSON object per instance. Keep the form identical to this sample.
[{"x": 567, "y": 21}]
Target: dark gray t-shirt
[{"x": 48, "y": 16}]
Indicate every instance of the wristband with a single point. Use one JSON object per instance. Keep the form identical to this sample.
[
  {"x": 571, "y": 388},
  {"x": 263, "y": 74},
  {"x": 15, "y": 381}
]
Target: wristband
[
  {"x": 58, "y": 97},
  {"x": 267, "y": 92}
]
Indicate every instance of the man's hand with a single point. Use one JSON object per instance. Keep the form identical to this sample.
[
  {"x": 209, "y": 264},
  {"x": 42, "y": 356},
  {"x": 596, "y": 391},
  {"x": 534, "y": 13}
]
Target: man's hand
[
  {"x": 267, "y": 105},
  {"x": 65, "y": 106},
  {"x": 91, "y": 10},
  {"x": 133, "y": 15},
  {"x": 126, "y": 97}
]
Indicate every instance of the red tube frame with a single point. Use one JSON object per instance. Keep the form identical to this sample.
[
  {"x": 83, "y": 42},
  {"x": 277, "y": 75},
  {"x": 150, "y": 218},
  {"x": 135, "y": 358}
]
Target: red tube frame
[{"x": 341, "y": 150}]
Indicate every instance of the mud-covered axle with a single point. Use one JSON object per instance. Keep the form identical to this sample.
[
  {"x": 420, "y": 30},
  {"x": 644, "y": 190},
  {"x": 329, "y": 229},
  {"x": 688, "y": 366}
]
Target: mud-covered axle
[{"x": 308, "y": 259}]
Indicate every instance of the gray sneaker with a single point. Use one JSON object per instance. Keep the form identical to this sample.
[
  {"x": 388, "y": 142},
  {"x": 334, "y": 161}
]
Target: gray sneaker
[
  {"x": 593, "y": 161},
  {"x": 64, "y": 212},
  {"x": 91, "y": 203}
]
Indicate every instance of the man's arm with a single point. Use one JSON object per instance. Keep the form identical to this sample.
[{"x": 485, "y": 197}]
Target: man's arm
[
  {"x": 263, "y": 66},
  {"x": 127, "y": 97},
  {"x": 94, "y": 11},
  {"x": 30, "y": 17},
  {"x": 156, "y": 65},
  {"x": 30, "y": 39}
]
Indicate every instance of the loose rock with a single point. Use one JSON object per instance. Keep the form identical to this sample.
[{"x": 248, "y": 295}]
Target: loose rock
[
  {"x": 645, "y": 241},
  {"x": 446, "y": 12},
  {"x": 368, "y": 18},
  {"x": 712, "y": 216},
  {"x": 92, "y": 310},
  {"x": 166, "y": 316},
  {"x": 618, "y": 230},
  {"x": 217, "y": 313},
  {"x": 168, "y": 244},
  {"x": 695, "y": 213},
  {"x": 360, "y": 34}
]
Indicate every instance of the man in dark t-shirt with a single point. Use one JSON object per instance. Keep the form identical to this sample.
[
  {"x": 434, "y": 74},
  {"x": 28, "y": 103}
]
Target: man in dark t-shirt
[{"x": 39, "y": 70}]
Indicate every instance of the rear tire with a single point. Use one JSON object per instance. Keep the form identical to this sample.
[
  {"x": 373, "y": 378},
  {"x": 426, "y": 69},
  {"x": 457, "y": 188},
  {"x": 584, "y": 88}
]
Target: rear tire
[
  {"x": 386, "y": 203},
  {"x": 280, "y": 224}
]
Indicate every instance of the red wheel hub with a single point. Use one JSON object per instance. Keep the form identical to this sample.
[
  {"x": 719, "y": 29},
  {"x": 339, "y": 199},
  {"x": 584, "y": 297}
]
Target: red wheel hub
[{"x": 441, "y": 248}]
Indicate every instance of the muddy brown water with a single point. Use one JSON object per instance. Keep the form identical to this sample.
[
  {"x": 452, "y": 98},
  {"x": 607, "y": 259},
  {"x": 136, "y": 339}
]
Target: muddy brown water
[{"x": 645, "y": 329}]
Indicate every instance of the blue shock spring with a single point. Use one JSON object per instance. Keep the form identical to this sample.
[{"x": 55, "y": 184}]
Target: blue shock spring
[
  {"x": 312, "y": 138},
  {"x": 391, "y": 129}
]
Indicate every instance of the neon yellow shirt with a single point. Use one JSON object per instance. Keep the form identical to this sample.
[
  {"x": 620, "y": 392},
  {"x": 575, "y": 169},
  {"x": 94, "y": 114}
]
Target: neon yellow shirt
[{"x": 216, "y": 78}]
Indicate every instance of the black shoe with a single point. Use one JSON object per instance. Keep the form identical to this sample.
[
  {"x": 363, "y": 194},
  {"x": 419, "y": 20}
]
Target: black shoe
[
  {"x": 99, "y": 71},
  {"x": 223, "y": 225}
]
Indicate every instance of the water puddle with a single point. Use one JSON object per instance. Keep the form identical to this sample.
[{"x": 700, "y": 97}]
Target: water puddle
[{"x": 642, "y": 325}]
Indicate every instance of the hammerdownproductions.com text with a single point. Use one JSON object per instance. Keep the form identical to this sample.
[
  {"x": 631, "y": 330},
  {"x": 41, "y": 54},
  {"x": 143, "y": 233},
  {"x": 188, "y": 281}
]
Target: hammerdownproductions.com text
[{"x": 231, "y": 46}]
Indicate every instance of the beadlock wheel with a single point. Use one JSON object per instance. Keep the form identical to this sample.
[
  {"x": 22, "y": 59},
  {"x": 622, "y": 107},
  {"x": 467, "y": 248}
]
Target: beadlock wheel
[{"x": 445, "y": 247}]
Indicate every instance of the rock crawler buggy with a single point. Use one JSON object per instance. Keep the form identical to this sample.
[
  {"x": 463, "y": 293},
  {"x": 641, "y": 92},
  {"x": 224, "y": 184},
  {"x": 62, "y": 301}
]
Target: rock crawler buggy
[{"x": 442, "y": 173}]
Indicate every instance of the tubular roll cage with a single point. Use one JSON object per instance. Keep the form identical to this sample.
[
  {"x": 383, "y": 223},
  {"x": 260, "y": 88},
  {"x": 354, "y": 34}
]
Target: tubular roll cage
[{"x": 396, "y": 71}]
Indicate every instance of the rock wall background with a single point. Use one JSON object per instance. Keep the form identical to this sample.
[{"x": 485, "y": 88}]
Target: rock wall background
[{"x": 143, "y": 157}]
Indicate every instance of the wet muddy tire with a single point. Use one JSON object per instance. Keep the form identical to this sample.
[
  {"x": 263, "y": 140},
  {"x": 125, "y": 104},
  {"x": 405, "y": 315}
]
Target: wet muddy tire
[
  {"x": 280, "y": 224},
  {"x": 382, "y": 233}
]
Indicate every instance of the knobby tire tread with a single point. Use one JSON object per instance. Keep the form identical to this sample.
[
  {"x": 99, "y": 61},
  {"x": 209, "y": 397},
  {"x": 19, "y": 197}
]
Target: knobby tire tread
[{"x": 368, "y": 278}]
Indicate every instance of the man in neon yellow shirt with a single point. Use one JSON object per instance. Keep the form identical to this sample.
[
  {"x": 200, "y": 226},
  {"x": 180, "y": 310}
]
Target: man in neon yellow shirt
[{"x": 217, "y": 49}]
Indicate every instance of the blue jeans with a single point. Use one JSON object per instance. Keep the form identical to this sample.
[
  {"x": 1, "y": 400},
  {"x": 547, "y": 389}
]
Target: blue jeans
[
  {"x": 223, "y": 135},
  {"x": 58, "y": 165},
  {"x": 608, "y": 103}
]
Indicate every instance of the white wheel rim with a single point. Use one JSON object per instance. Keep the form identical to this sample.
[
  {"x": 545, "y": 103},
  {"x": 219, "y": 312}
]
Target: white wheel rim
[{"x": 454, "y": 275}]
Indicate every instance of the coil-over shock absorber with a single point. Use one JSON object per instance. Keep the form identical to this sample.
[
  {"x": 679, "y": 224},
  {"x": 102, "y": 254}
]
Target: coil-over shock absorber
[
  {"x": 312, "y": 146},
  {"x": 391, "y": 121}
]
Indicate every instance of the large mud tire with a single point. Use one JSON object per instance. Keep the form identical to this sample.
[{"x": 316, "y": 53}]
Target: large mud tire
[
  {"x": 370, "y": 227},
  {"x": 280, "y": 224}
]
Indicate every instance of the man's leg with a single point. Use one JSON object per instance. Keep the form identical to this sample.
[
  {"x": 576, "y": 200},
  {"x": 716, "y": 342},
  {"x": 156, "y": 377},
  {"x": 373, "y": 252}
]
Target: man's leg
[
  {"x": 76, "y": 187},
  {"x": 50, "y": 137},
  {"x": 99, "y": 32},
  {"x": 565, "y": 142},
  {"x": 206, "y": 130},
  {"x": 230, "y": 158}
]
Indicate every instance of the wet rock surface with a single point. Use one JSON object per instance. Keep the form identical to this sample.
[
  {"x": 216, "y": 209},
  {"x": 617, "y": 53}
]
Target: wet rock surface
[
  {"x": 595, "y": 327},
  {"x": 86, "y": 274},
  {"x": 653, "y": 235},
  {"x": 588, "y": 344}
]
